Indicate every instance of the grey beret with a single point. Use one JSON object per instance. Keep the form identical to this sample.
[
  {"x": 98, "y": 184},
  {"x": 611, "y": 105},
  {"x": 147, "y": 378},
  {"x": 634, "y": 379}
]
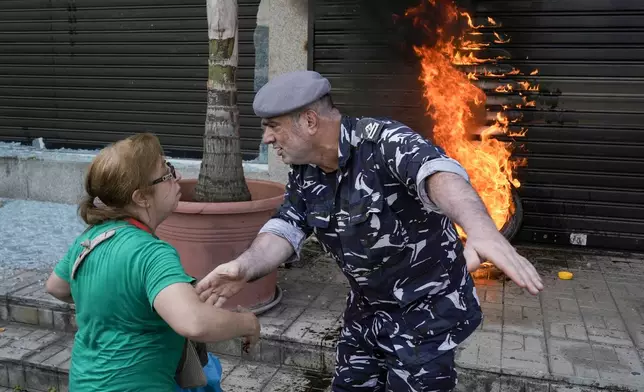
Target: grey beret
[{"x": 288, "y": 92}]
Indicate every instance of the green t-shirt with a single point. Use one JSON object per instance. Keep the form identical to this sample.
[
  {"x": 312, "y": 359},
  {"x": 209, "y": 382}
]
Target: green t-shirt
[{"x": 122, "y": 344}]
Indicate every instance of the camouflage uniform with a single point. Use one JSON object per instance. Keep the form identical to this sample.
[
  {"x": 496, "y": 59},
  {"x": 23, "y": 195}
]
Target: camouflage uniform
[{"x": 412, "y": 300}]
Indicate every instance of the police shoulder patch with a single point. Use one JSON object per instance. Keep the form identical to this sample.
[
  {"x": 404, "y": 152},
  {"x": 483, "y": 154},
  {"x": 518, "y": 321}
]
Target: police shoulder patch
[{"x": 369, "y": 129}]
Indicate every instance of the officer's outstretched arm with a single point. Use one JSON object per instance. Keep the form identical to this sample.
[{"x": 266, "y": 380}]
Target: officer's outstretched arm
[
  {"x": 459, "y": 201},
  {"x": 280, "y": 239},
  {"x": 266, "y": 253}
]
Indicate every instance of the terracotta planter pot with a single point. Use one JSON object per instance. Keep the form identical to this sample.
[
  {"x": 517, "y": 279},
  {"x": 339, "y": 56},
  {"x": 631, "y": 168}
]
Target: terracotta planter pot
[{"x": 209, "y": 234}]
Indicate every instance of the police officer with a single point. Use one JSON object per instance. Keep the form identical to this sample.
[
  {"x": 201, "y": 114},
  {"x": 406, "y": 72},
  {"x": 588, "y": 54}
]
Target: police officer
[{"x": 382, "y": 200}]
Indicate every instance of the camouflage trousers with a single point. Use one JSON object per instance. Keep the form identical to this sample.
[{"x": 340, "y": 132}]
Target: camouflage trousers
[{"x": 394, "y": 349}]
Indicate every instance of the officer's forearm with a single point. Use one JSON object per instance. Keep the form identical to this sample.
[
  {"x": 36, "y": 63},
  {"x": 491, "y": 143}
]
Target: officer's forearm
[
  {"x": 267, "y": 252},
  {"x": 459, "y": 201}
]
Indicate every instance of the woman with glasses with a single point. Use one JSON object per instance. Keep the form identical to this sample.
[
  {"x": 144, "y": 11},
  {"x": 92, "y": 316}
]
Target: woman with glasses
[{"x": 135, "y": 305}]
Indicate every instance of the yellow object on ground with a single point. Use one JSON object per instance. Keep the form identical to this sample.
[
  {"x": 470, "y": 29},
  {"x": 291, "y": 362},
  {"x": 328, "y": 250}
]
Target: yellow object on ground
[{"x": 565, "y": 275}]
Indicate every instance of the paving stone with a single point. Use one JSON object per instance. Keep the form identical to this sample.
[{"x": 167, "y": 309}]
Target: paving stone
[
  {"x": 36, "y": 295},
  {"x": 4, "y": 311},
  {"x": 37, "y": 378},
  {"x": 37, "y": 339},
  {"x": 558, "y": 288},
  {"x": 16, "y": 331},
  {"x": 16, "y": 375},
  {"x": 517, "y": 384},
  {"x": 611, "y": 277},
  {"x": 266, "y": 351},
  {"x": 571, "y": 388},
  {"x": 23, "y": 314},
  {"x": 588, "y": 278},
  {"x": 619, "y": 365},
  {"x": 63, "y": 382},
  {"x": 44, "y": 354},
  {"x": 14, "y": 353},
  {"x": 45, "y": 318},
  {"x": 64, "y": 366},
  {"x": 287, "y": 380},
  {"x": 300, "y": 293},
  {"x": 515, "y": 295},
  {"x": 232, "y": 347},
  {"x": 524, "y": 355},
  {"x": 277, "y": 320},
  {"x": 316, "y": 327},
  {"x": 317, "y": 269},
  {"x": 576, "y": 314},
  {"x": 64, "y": 320},
  {"x": 631, "y": 309},
  {"x": 618, "y": 266},
  {"x": 21, "y": 279},
  {"x": 482, "y": 350},
  {"x": 626, "y": 290},
  {"x": 595, "y": 299},
  {"x": 4, "y": 375},
  {"x": 248, "y": 377},
  {"x": 576, "y": 332},
  {"x": 636, "y": 332},
  {"x": 328, "y": 360},
  {"x": 228, "y": 363},
  {"x": 572, "y": 358},
  {"x": 492, "y": 317},
  {"x": 489, "y": 284},
  {"x": 493, "y": 295},
  {"x": 569, "y": 305},
  {"x": 303, "y": 356},
  {"x": 332, "y": 297},
  {"x": 616, "y": 337},
  {"x": 474, "y": 381},
  {"x": 522, "y": 320},
  {"x": 53, "y": 357}
]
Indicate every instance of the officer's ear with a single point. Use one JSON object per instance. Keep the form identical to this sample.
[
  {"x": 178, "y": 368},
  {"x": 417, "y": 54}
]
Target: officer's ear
[{"x": 312, "y": 121}]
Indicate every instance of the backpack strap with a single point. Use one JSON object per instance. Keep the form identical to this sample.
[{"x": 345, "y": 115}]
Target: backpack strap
[{"x": 89, "y": 245}]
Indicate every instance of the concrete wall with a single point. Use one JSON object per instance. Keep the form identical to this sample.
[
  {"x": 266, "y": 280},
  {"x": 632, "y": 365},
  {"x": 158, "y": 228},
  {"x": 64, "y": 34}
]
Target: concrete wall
[
  {"x": 57, "y": 176},
  {"x": 288, "y": 39}
]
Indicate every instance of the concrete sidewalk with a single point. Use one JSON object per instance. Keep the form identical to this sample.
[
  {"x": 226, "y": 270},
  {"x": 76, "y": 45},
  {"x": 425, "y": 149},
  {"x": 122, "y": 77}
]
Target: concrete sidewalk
[{"x": 584, "y": 334}]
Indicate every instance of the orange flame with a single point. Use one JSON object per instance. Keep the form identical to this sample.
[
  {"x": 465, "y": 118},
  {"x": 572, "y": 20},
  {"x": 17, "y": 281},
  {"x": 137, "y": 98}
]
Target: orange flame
[{"x": 452, "y": 96}]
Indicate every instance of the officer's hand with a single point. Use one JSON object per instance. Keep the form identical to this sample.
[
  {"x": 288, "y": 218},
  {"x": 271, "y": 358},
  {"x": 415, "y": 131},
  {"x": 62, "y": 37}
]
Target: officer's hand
[
  {"x": 222, "y": 283},
  {"x": 493, "y": 247}
]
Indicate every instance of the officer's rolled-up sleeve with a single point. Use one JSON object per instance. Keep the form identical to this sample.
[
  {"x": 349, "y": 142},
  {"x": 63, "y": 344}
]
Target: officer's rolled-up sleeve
[
  {"x": 290, "y": 220},
  {"x": 412, "y": 159}
]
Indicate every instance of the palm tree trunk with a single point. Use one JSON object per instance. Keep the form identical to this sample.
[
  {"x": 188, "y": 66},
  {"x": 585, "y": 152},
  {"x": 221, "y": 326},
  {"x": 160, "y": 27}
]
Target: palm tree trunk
[{"x": 221, "y": 177}]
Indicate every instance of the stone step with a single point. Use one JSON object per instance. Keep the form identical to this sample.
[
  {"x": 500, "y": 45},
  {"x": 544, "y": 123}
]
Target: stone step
[
  {"x": 295, "y": 351},
  {"x": 35, "y": 359},
  {"x": 38, "y": 359},
  {"x": 518, "y": 346}
]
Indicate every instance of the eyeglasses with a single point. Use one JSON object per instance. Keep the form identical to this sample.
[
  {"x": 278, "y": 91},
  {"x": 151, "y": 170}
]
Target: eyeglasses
[{"x": 170, "y": 175}]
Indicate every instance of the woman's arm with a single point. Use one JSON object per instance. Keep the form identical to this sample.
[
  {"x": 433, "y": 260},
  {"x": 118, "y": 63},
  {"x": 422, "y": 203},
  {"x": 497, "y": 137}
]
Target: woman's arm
[
  {"x": 59, "y": 288},
  {"x": 179, "y": 305}
]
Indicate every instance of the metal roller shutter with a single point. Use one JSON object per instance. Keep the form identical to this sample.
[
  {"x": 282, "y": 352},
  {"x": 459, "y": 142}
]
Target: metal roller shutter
[
  {"x": 584, "y": 181},
  {"x": 83, "y": 73}
]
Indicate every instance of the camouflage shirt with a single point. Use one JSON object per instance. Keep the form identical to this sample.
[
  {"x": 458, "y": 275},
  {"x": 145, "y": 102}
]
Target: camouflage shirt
[{"x": 374, "y": 214}]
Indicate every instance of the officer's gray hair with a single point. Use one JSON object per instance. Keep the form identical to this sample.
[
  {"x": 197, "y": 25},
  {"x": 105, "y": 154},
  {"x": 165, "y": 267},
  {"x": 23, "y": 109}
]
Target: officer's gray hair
[{"x": 323, "y": 107}]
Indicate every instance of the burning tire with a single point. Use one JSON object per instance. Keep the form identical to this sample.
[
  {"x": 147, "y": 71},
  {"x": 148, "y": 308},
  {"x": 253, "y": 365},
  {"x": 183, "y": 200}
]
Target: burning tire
[{"x": 512, "y": 226}]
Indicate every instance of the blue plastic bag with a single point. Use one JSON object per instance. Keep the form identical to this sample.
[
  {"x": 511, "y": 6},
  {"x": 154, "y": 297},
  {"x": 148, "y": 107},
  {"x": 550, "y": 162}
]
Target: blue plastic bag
[{"x": 213, "y": 376}]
